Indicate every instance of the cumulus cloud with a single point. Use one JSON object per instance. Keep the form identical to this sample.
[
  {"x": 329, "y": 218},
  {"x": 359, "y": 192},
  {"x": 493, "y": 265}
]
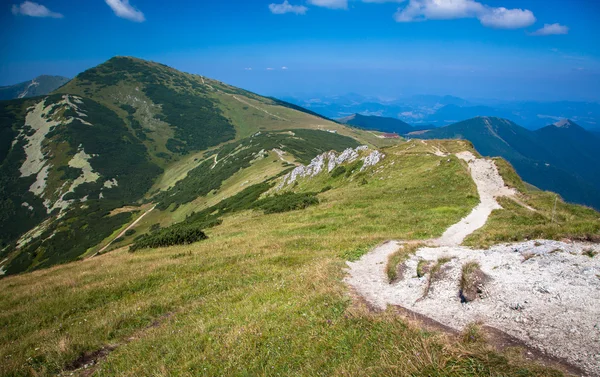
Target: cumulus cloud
[
  {"x": 502, "y": 18},
  {"x": 29, "y": 8},
  {"x": 552, "y": 29},
  {"x": 123, "y": 9},
  {"x": 248, "y": 69},
  {"x": 286, "y": 7},
  {"x": 331, "y": 4},
  {"x": 284, "y": 68},
  {"x": 269, "y": 69},
  {"x": 383, "y": 1}
]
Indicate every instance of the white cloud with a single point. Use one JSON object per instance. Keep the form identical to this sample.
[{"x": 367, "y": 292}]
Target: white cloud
[
  {"x": 552, "y": 29},
  {"x": 286, "y": 7},
  {"x": 123, "y": 9},
  {"x": 331, "y": 4},
  {"x": 284, "y": 68},
  {"x": 28, "y": 8},
  {"x": 421, "y": 10},
  {"x": 502, "y": 18},
  {"x": 248, "y": 69},
  {"x": 269, "y": 69}
]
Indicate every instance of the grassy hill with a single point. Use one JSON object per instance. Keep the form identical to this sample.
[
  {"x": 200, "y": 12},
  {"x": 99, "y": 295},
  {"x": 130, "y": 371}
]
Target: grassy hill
[
  {"x": 560, "y": 159},
  {"x": 117, "y": 136},
  {"x": 39, "y": 86},
  {"x": 376, "y": 123},
  {"x": 263, "y": 295}
]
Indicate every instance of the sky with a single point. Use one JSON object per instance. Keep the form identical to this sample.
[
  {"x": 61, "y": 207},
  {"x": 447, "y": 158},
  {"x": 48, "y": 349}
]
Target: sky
[{"x": 502, "y": 49}]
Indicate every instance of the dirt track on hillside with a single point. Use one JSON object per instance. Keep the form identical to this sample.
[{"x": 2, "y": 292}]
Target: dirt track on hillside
[{"x": 544, "y": 293}]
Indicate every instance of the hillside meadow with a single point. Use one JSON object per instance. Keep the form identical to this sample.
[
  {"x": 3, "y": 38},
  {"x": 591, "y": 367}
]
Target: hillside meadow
[{"x": 263, "y": 295}]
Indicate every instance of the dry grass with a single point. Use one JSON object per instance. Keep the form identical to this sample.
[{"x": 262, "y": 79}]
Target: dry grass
[
  {"x": 262, "y": 296},
  {"x": 471, "y": 282},
  {"x": 395, "y": 260},
  {"x": 590, "y": 253},
  {"x": 435, "y": 273}
]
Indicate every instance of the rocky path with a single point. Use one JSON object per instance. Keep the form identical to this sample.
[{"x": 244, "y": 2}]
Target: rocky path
[
  {"x": 544, "y": 293},
  {"x": 490, "y": 186}
]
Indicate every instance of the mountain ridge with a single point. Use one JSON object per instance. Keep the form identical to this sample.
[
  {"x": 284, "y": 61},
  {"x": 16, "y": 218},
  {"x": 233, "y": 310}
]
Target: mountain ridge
[
  {"x": 60, "y": 160},
  {"x": 556, "y": 158},
  {"x": 39, "y": 86}
]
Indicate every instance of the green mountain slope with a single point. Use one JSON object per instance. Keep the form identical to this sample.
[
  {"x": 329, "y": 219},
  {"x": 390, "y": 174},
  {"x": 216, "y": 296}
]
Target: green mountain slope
[
  {"x": 376, "y": 123},
  {"x": 264, "y": 294},
  {"x": 560, "y": 159},
  {"x": 130, "y": 132},
  {"x": 39, "y": 86}
]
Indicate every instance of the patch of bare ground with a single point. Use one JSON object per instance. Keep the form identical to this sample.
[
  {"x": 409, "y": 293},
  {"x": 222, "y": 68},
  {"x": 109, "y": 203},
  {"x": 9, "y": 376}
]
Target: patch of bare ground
[
  {"x": 125, "y": 209},
  {"x": 544, "y": 295},
  {"x": 88, "y": 362}
]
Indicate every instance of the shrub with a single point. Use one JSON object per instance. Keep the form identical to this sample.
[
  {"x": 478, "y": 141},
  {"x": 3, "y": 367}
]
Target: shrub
[
  {"x": 129, "y": 232},
  {"x": 174, "y": 235},
  {"x": 287, "y": 202},
  {"x": 340, "y": 170},
  {"x": 354, "y": 167}
]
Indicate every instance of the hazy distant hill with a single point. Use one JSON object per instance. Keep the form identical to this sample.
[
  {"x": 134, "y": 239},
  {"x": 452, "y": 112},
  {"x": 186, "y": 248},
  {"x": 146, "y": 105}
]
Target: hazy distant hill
[
  {"x": 39, "y": 86},
  {"x": 562, "y": 157},
  {"x": 444, "y": 110},
  {"x": 376, "y": 123}
]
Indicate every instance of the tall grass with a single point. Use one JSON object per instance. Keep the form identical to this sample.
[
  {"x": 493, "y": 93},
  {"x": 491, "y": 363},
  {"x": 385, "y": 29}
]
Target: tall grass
[{"x": 262, "y": 296}]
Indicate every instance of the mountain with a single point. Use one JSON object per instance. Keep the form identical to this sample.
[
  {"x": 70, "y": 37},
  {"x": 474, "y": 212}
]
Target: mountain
[
  {"x": 210, "y": 221},
  {"x": 39, "y": 86},
  {"x": 250, "y": 281},
  {"x": 375, "y": 123},
  {"x": 562, "y": 157},
  {"x": 440, "y": 111},
  {"x": 130, "y": 132}
]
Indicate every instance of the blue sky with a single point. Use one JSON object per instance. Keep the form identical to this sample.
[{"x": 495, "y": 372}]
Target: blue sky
[{"x": 474, "y": 49}]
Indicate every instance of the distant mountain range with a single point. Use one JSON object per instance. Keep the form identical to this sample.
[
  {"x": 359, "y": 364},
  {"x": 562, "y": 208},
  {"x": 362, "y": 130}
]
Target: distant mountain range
[
  {"x": 39, "y": 86},
  {"x": 444, "y": 110},
  {"x": 562, "y": 157}
]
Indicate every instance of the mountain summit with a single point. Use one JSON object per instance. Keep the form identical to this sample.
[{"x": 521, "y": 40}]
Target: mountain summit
[
  {"x": 129, "y": 131},
  {"x": 565, "y": 123}
]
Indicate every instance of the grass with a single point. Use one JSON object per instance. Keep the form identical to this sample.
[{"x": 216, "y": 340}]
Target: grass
[
  {"x": 472, "y": 334},
  {"x": 423, "y": 267},
  {"x": 471, "y": 280},
  {"x": 435, "y": 273},
  {"x": 590, "y": 253},
  {"x": 263, "y": 295},
  {"x": 396, "y": 259},
  {"x": 516, "y": 223}
]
